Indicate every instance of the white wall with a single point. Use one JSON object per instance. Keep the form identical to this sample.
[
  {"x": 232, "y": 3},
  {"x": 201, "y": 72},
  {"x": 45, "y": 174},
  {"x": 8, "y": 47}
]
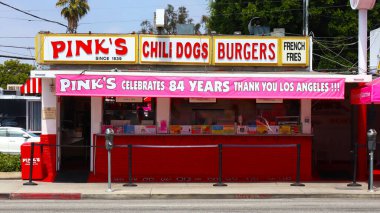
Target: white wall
[
  {"x": 374, "y": 51},
  {"x": 306, "y": 116},
  {"x": 163, "y": 112},
  {"x": 96, "y": 119},
  {"x": 49, "y": 99}
]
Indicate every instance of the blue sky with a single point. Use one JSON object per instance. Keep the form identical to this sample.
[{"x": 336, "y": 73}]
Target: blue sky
[{"x": 112, "y": 16}]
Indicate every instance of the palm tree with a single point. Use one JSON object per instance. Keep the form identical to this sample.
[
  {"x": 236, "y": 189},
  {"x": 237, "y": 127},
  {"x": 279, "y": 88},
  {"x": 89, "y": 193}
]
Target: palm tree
[{"x": 72, "y": 11}]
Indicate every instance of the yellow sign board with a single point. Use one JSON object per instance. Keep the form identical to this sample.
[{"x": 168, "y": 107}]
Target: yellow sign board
[{"x": 172, "y": 50}]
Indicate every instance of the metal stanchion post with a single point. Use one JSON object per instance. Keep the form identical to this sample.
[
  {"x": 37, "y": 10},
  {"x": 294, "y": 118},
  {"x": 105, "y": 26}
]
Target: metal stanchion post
[
  {"x": 30, "y": 182},
  {"x": 109, "y": 172},
  {"x": 370, "y": 179},
  {"x": 371, "y": 143},
  {"x": 355, "y": 156},
  {"x": 220, "y": 146},
  {"x": 109, "y": 145},
  {"x": 130, "y": 183},
  {"x": 297, "y": 183}
]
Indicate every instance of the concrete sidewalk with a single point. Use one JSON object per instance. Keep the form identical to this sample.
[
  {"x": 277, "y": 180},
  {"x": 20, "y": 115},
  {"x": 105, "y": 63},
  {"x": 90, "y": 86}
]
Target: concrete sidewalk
[
  {"x": 10, "y": 175},
  {"x": 14, "y": 189}
]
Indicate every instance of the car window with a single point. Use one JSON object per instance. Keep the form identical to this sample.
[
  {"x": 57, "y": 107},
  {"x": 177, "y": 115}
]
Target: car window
[
  {"x": 32, "y": 134},
  {"x": 3, "y": 132},
  {"x": 15, "y": 133}
]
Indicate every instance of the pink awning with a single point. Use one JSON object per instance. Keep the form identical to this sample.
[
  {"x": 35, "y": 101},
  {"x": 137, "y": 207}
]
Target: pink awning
[
  {"x": 200, "y": 87},
  {"x": 369, "y": 93}
]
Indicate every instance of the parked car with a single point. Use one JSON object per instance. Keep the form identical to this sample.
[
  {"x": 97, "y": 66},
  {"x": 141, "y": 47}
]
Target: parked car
[
  {"x": 11, "y": 139},
  {"x": 11, "y": 122}
]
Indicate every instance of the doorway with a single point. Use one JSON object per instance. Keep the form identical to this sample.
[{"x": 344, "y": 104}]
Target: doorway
[
  {"x": 335, "y": 131},
  {"x": 74, "y": 139}
]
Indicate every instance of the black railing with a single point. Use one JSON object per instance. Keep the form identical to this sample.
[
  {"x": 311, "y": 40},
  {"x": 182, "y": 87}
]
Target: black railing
[{"x": 220, "y": 157}]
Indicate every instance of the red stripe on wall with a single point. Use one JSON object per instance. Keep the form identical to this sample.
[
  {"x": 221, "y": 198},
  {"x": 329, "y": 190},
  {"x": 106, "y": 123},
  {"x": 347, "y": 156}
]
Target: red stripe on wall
[{"x": 49, "y": 156}]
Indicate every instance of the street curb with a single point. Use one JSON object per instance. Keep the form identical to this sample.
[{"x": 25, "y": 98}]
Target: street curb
[
  {"x": 220, "y": 196},
  {"x": 110, "y": 196},
  {"x": 45, "y": 196},
  {"x": 116, "y": 196}
]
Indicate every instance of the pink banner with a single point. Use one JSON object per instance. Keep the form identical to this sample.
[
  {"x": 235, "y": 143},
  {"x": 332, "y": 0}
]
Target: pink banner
[
  {"x": 376, "y": 91},
  {"x": 370, "y": 93},
  {"x": 200, "y": 87},
  {"x": 361, "y": 95}
]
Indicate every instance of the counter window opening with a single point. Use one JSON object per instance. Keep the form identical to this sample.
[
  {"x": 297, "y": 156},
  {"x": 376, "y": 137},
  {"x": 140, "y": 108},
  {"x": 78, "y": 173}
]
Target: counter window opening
[
  {"x": 235, "y": 116},
  {"x": 125, "y": 115},
  {"x": 224, "y": 116}
]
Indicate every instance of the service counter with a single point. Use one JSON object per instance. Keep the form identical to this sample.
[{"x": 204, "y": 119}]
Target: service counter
[{"x": 200, "y": 164}]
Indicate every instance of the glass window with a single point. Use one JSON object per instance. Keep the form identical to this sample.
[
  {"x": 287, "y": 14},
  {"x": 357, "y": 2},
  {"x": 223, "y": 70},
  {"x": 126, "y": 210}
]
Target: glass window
[
  {"x": 233, "y": 111},
  {"x": 134, "y": 113},
  {"x": 3, "y": 132},
  {"x": 15, "y": 133},
  {"x": 34, "y": 116}
]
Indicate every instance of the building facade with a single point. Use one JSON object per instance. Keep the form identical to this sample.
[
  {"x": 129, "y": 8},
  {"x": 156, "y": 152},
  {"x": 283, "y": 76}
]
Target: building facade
[{"x": 176, "y": 98}]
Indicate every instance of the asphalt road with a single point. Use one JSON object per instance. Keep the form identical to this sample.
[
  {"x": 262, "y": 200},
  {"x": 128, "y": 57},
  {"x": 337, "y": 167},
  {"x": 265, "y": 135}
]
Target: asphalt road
[{"x": 260, "y": 205}]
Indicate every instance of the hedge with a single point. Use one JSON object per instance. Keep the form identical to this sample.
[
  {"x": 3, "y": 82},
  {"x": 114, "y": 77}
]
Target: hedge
[{"x": 9, "y": 163}]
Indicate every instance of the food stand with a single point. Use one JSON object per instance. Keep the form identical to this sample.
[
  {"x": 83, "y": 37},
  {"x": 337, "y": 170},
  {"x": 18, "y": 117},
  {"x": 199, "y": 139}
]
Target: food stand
[{"x": 188, "y": 105}]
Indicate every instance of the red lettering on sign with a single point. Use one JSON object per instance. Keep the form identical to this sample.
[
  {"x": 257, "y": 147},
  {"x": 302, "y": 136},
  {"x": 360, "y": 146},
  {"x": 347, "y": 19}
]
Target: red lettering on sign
[
  {"x": 263, "y": 51},
  {"x": 164, "y": 53},
  {"x": 85, "y": 47},
  {"x": 156, "y": 49},
  {"x": 204, "y": 50},
  {"x": 197, "y": 50},
  {"x": 188, "y": 50},
  {"x": 221, "y": 51},
  {"x": 246, "y": 51},
  {"x": 89, "y": 47},
  {"x": 170, "y": 49},
  {"x": 153, "y": 49},
  {"x": 69, "y": 52},
  {"x": 159, "y": 49},
  {"x": 238, "y": 51},
  {"x": 58, "y": 46},
  {"x": 271, "y": 49},
  {"x": 121, "y": 47},
  {"x": 179, "y": 50},
  {"x": 247, "y": 54},
  {"x": 230, "y": 50},
  {"x": 100, "y": 48},
  {"x": 254, "y": 50},
  {"x": 145, "y": 48}
]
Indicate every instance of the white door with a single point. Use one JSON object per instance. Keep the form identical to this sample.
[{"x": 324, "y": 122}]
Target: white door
[
  {"x": 15, "y": 138},
  {"x": 4, "y": 144}
]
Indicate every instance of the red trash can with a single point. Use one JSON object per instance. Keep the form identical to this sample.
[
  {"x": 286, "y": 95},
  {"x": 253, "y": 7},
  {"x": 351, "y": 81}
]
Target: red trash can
[{"x": 38, "y": 172}]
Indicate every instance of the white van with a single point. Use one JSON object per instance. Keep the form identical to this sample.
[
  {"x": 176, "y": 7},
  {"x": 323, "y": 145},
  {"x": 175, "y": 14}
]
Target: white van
[{"x": 11, "y": 139}]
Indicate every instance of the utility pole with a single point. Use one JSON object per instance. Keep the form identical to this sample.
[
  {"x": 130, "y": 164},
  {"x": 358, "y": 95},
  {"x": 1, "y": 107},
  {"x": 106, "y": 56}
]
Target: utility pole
[
  {"x": 305, "y": 17},
  {"x": 363, "y": 6}
]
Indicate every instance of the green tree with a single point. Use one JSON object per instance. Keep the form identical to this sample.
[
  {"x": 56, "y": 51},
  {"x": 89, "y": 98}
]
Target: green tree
[
  {"x": 183, "y": 15},
  {"x": 332, "y": 23},
  {"x": 73, "y": 11},
  {"x": 204, "y": 21},
  {"x": 172, "y": 19},
  {"x": 14, "y": 72},
  {"x": 146, "y": 27}
]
